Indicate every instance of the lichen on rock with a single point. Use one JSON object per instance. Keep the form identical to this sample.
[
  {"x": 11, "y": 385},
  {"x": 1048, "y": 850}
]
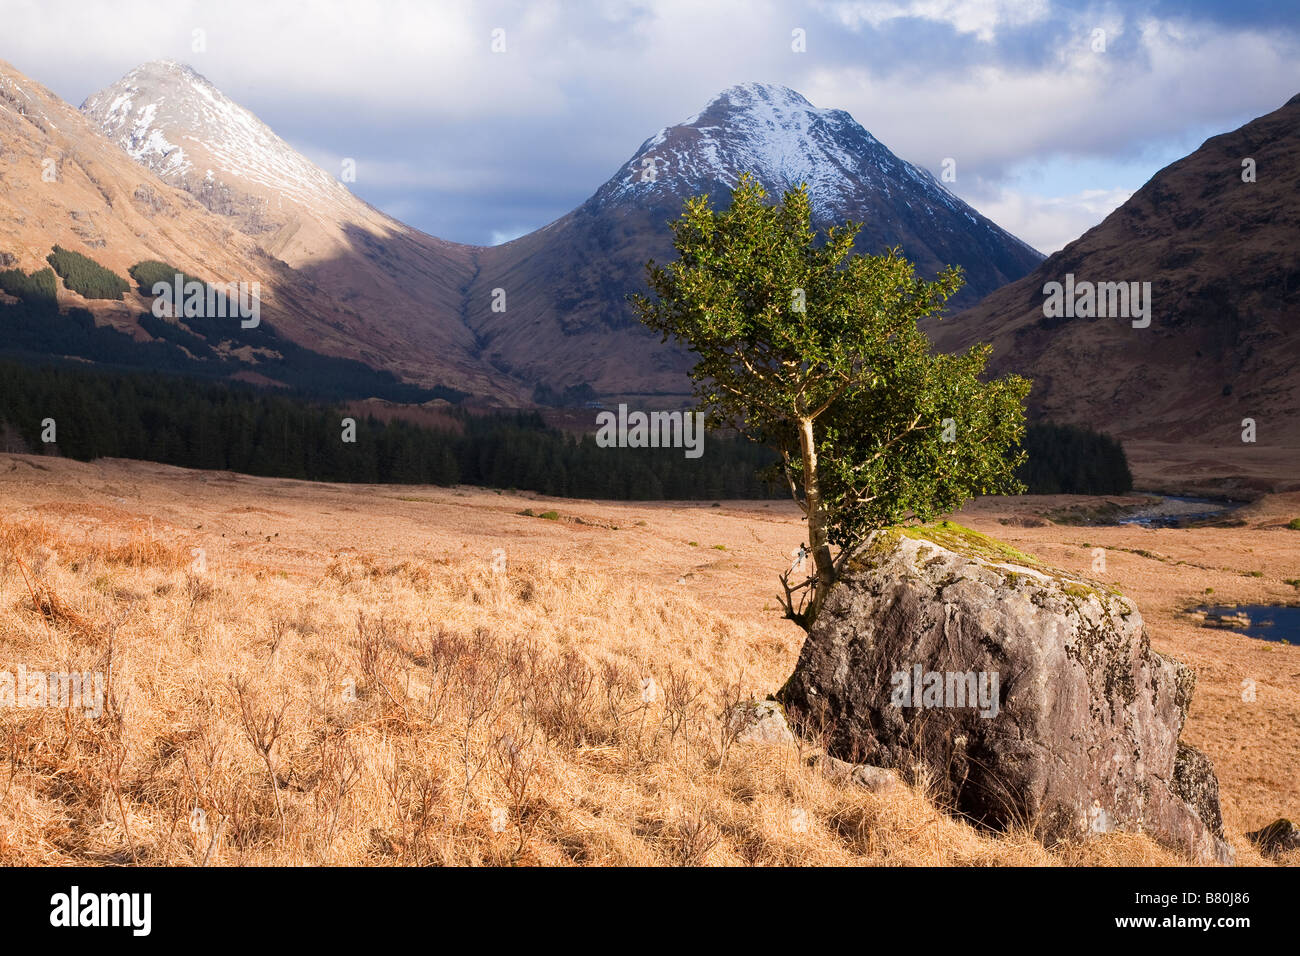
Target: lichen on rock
[{"x": 1075, "y": 723}]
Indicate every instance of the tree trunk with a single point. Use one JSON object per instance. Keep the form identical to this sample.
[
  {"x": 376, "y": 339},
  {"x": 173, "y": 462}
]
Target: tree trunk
[{"x": 818, "y": 542}]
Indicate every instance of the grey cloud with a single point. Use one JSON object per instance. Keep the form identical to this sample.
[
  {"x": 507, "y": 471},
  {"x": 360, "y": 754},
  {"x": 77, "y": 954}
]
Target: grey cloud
[{"x": 474, "y": 144}]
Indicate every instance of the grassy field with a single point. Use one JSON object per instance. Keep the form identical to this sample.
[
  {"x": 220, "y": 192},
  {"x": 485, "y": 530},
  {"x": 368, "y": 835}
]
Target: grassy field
[{"x": 329, "y": 674}]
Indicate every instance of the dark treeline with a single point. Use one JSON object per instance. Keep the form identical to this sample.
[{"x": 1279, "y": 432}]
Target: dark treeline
[
  {"x": 210, "y": 423},
  {"x": 224, "y": 426},
  {"x": 239, "y": 428},
  {"x": 1067, "y": 460}
]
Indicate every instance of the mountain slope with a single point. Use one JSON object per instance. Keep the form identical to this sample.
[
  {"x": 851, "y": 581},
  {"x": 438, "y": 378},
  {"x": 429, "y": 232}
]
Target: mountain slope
[
  {"x": 775, "y": 133},
  {"x": 63, "y": 183},
  {"x": 567, "y": 319},
  {"x": 550, "y": 307},
  {"x": 1223, "y": 257},
  {"x": 406, "y": 286}
]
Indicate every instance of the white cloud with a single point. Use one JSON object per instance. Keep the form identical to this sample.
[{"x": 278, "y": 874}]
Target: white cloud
[
  {"x": 1049, "y": 223},
  {"x": 500, "y": 236},
  {"x": 996, "y": 117}
]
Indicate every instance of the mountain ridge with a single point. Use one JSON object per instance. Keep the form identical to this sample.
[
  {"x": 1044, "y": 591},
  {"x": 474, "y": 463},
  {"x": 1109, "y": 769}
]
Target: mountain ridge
[
  {"x": 1221, "y": 254},
  {"x": 558, "y": 328}
]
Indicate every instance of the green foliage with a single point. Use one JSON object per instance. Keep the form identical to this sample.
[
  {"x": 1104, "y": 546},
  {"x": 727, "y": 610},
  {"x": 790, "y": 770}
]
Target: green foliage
[
  {"x": 85, "y": 276},
  {"x": 1294, "y": 524},
  {"x": 151, "y": 271},
  {"x": 39, "y": 288},
  {"x": 883, "y": 450},
  {"x": 815, "y": 352}
]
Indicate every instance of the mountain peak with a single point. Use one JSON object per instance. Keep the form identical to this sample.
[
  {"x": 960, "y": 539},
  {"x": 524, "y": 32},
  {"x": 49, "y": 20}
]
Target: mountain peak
[
  {"x": 776, "y": 134},
  {"x": 175, "y": 121},
  {"x": 573, "y": 274},
  {"x": 771, "y": 95},
  {"x": 165, "y": 67},
  {"x": 180, "y": 126},
  {"x": 171, "y": 76}
]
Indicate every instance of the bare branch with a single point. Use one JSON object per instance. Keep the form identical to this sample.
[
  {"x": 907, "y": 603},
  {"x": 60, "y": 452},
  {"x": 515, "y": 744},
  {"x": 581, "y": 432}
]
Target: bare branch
[{"x": 789, "y": 480}]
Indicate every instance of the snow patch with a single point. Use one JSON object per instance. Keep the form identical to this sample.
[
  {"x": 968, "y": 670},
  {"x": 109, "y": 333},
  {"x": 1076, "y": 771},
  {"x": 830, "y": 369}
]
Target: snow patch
[
  {"x": 774, "y": 133},
  {"x": 156, "y": 108}
]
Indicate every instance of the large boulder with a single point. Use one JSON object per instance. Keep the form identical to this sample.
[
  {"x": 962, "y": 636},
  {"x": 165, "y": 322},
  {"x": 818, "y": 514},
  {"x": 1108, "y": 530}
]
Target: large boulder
[{"x": 1024, "y": 695}]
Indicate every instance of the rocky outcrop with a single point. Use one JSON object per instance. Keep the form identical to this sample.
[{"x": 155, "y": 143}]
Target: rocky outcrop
[
  {"x": 875, "y": 779},
  {"x": 1024, "y": 695},
  {"x": 1280, "y": 836},
  {"x": 759, "y": 722},
  {"x": 1195, "y": 782}
]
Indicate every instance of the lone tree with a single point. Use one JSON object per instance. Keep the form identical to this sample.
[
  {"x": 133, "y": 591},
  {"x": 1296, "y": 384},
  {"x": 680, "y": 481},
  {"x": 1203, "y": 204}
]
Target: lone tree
[{"x": 815, "y": 351}]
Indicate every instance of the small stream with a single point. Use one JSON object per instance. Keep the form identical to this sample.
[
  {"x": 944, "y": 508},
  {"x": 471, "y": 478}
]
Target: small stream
[{"x": 1175, "y": 511}]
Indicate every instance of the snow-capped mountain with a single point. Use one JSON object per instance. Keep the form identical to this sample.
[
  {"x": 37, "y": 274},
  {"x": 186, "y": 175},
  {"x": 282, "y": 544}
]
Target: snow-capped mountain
[
  {"x": 407, "y": 284},
  {"x": 775, "y": 133},
  {"x": 572, "y": 277},
  {"x": 174, "y": 121},
  {"x": 783, "y": 140},
  {"x": 428, "y": 305},
  {"x": 95, "y": 200}
]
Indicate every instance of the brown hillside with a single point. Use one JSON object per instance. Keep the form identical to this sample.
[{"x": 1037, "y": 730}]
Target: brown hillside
[{"x": 1223, "y": 257}]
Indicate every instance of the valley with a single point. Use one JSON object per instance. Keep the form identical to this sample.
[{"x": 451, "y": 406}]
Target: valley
[
  {"x": 308, "y": 589},
  {"x": 860, "y": 433},
  {"x": 164, "y": 137},
  {"x": 163, "y": 167}
]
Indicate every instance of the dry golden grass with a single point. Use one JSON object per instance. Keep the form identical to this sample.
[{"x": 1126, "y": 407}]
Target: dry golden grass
[{"x": 340, "y": 676}]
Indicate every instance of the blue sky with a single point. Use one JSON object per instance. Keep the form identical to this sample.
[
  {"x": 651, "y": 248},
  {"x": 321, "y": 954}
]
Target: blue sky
[{"x": 1050, "y": 131}]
